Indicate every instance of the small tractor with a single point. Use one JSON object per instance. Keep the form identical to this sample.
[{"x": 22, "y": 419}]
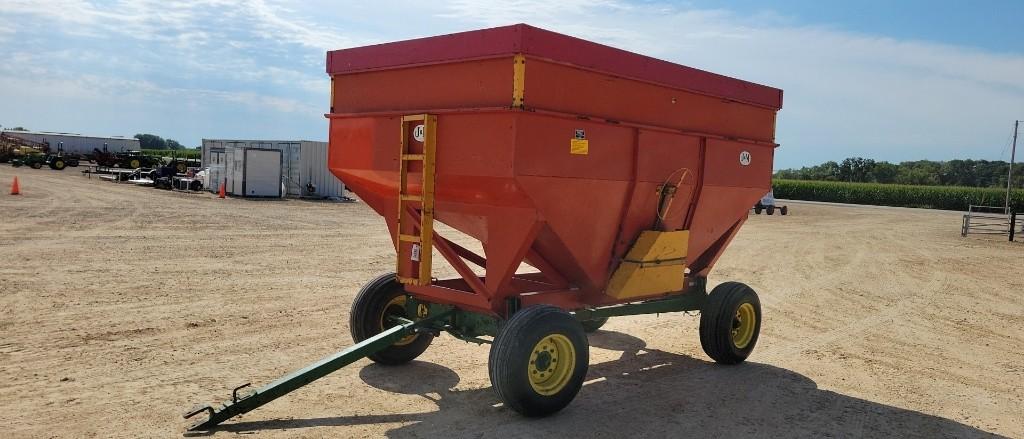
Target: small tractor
[
  {"x": 136, "y": 160},
  {"x": 60, "y": 160},
  {"x": 124, "y": 159}
]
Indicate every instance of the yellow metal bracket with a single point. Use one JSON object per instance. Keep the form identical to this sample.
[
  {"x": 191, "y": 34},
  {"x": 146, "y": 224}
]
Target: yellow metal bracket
[
  {"x": 518, "y": 80},
  {"x": 654, "y": 264}
]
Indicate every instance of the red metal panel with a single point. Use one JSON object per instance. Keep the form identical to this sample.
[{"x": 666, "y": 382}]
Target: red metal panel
[
  {"x": 571, "y": 90},
  {"x": 521, "y": 38},
  {"x": 471, "y": 84},
  {"x": 543, "y": 148},
  {"x": 662, "y": 158},
  {"x": 475, "y": 44},
  {"x": 587, "y": 54}
]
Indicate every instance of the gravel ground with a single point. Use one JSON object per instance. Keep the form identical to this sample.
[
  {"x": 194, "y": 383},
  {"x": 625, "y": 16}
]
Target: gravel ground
[{"x": 122, "y": 306}]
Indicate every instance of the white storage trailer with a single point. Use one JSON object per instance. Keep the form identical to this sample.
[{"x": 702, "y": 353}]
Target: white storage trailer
[
  {"x": 303, "y": 167},
  {"x": 78, "y": 143}
]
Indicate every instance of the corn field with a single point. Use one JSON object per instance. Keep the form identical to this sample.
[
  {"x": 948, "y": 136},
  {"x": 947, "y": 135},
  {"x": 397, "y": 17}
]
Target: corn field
[
  {"x": 181, "y": 153},
  {"x": 929, "y": 197}
]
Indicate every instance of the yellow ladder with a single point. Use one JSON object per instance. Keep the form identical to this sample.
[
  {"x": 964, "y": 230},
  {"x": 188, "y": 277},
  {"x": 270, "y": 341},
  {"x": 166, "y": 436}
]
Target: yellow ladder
[{"x": 421, "y": 239}]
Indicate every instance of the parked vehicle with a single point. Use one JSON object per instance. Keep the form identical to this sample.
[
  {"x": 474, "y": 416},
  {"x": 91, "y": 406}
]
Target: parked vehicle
[{"x": 767, "y": 204}]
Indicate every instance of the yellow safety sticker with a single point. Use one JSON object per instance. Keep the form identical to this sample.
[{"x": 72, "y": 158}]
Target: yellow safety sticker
[{"x": 579, "y": 146}]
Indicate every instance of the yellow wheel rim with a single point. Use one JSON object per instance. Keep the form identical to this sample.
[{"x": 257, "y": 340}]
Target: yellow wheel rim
[
  {"x": 135, "y": 164},
  {"x": 551, "y": 364},
  {"x": 743, "y": 325},
  {"x": 59, "y": 164},
  {"x": 395, "y": 307}
]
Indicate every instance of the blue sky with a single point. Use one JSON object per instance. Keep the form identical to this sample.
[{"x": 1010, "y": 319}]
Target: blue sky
[{"x": 888, "y": 80}]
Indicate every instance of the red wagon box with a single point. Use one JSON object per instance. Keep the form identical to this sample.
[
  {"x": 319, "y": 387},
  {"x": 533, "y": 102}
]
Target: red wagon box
[
  {"x": 620, "y": 178},
  {"x": 550, "y": 150}
]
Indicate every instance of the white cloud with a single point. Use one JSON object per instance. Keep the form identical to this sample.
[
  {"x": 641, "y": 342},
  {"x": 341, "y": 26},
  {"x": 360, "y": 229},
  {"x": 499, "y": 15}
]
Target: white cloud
[{"x": 846, "y": 93}]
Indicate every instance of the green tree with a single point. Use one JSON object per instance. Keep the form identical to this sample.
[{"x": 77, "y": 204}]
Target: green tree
[
  {"x": 884, "y": 172},
  {"x": 856, "y": 169},
  {"x": 173, "y": 144},
  {"x": 151, "y": 141}
]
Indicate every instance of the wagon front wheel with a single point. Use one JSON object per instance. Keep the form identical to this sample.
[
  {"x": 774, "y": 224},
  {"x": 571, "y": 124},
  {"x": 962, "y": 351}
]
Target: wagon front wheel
[
  {"x": 730, "y": 322},
  {"x": 373, "y": 311},
  {"x": 538, "y": 360}
]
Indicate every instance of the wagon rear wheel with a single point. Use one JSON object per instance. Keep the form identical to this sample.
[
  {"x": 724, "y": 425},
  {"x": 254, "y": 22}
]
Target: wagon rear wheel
[
  {"x": 538, "y": 360},
  {"x": 372, "y": 312},
  {"x": 770, "y": 209},
  {"x": 730, "y": 322},
  {"x": 784, "y": 210}
]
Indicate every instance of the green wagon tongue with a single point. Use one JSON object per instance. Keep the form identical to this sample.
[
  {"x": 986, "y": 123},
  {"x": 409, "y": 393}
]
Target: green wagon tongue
[{"x": 288, "y": 383}]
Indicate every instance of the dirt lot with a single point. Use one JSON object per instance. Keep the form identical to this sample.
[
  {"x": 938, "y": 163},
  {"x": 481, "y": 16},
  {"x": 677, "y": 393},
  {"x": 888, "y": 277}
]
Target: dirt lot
[{"x": 122, "y": 306}]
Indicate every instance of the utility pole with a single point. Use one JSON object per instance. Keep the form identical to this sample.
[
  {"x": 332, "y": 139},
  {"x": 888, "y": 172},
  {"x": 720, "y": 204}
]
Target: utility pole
[{"x": 1009, "y": 174}]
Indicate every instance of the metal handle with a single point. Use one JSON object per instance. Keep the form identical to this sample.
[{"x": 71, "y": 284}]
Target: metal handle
[{"x": 234, "y": 393}]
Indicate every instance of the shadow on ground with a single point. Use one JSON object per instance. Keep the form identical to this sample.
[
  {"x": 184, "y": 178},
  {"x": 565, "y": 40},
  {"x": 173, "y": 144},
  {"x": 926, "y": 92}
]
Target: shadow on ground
[{"x": 643, "y": 393}]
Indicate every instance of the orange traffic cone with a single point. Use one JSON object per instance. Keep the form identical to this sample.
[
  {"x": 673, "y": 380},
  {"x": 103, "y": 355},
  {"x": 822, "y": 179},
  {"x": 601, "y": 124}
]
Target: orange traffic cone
[
  {"x": 220, "y": 193},
  {"x": 15, "y": 189}
]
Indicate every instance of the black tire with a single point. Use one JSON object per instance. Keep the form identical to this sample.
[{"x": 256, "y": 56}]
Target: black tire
[
  {"x": 58, "y": 164},
  {"x": 720, "y": 323},
  {"x": 770, "y": 210},
  {"x": 784, "y": 210},
  {"x": 594, "y": 324},
  {"x": 195, "y": 185},
  {"x": 519, "y": 351},
  {"x": 36, "y": 165},
  {"x": 366, "y": 319},
  {"x": 757, "y": 209}
]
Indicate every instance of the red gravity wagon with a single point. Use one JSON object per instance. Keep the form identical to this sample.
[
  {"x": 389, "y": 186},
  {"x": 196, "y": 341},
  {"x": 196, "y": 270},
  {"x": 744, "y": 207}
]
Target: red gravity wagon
[{"x": 619, "y": 178}]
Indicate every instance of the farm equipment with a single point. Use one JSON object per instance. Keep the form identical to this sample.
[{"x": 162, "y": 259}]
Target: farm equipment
[
  {"x": 31, "y": 158},
  {"x": 103, "y": 157},
  {"x": 60, "y": 160},
  {"x": 619, "y": 178},
  {"x": 21, "y": 152},
  {"x": 181, "y": 164},
  {"x": 123, "y": 159},
  {"x": 767, "y": 204},
  {"x": 135, "y": 160}
]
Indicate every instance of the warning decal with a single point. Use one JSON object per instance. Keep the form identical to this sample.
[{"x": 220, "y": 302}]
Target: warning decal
[{"x": 579, "y": 146}]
